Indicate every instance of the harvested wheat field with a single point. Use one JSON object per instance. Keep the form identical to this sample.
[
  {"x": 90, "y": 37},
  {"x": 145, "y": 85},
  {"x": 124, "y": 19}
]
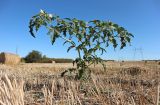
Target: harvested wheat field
[{"x": 41, "y": 84}]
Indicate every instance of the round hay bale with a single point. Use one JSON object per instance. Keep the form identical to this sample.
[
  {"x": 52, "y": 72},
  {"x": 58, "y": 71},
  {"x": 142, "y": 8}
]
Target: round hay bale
[
  {"x": 9, "y": 58},
  {"x": 53, "y": 62}
]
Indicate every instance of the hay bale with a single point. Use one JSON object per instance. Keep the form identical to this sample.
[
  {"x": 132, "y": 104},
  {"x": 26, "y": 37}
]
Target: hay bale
[
  {"x": 9, "y": 58},
  {"x": 53, "y": 62}
]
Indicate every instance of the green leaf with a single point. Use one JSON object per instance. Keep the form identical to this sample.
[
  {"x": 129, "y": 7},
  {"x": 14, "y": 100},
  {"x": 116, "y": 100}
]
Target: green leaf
[
  {"x": 102, "y": 50},
  {"x": 83, "y": 24},
  {"x": 69, "y": 48},
  {"x": 31, "y": 26},
  {"x": 65, "y": 42},
  {"x": 115, "y": 25},
  {"x": 95, "y": 37},
  {"x": 67, "y": 19},
  {"x": 128, "y": 39},
  {"x": 130, "y": 35},
  {"x": 75, "y": 20}
]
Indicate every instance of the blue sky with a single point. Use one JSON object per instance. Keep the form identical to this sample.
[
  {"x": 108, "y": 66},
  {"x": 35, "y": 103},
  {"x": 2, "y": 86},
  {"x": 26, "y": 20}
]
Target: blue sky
[{"x": 140, "y": 17}]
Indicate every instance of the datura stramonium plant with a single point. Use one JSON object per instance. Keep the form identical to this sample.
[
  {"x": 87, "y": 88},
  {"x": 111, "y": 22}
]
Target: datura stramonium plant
[{"x": 87, "y": 38}]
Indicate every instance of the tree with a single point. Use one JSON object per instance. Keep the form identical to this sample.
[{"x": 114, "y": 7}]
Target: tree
[
  {"x": 44, "y": 57},
  {"x": 33, "y": 57},
  {"x": 87, "y": 38}
]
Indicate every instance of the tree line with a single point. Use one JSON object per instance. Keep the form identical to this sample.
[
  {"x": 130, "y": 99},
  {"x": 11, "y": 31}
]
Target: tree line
[{"x": 37, "y": 57}]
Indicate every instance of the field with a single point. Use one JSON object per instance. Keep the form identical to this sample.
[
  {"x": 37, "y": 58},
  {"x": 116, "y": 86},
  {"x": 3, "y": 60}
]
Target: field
[{"x": 123, "y": 83}]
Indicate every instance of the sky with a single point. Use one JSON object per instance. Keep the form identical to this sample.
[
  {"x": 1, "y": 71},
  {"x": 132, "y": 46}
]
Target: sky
[{"x": 140, "y": 17}]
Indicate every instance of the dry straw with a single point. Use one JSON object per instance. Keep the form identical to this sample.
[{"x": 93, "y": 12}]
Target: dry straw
[
  {"x": 112, "y": 88},
  {"x": 11, "y": 92}
]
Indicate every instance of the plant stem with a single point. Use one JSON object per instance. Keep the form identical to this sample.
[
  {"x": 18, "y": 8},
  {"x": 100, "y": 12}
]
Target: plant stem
[{"x": 79, "y": 54}]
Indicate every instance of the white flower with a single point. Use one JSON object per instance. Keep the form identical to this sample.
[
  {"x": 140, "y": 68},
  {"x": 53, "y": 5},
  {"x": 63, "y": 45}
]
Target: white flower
[
  {"x": 50, "y": 15},
  {"x": 41, "y": 11}
]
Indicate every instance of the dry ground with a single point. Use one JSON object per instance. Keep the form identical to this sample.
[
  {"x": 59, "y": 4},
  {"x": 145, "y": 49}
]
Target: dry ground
[{"x": 123, "y": 83}]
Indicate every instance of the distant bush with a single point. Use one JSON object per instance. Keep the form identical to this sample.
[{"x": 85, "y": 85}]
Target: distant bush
[
  {"x": 33, "y": 57},
  {"x": 23, "y": 60},
  {"x": 63, "y": 60},
  {"x": 45, "y": 60}
]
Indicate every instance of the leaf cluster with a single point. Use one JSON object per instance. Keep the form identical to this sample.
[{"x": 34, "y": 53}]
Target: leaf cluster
[{"x": 87, "y": 38}]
